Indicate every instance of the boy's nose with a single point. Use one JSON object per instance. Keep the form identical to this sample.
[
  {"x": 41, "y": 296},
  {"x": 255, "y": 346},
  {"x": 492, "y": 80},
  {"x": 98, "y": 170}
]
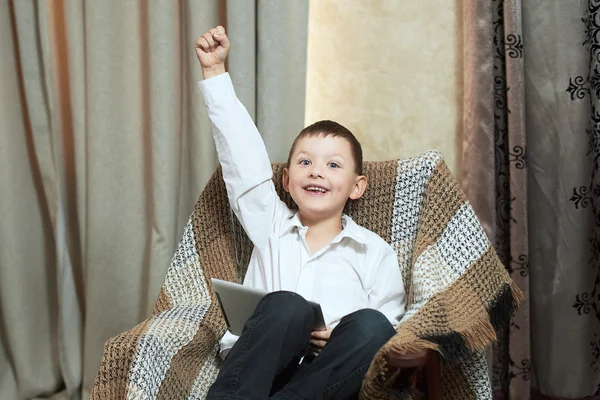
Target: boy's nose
[{"x": 315, "y": 173}]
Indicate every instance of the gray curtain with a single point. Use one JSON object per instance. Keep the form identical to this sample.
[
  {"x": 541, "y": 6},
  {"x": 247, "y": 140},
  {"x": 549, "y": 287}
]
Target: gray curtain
[
  {"x": 29, "y": 352},
  {"x": 530, "y": 162},
  {"x": 104, "y": 148},
  {"x": 562, "y": 97}
]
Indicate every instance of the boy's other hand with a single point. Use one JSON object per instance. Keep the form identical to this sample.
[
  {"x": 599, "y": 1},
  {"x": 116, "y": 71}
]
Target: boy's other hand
[
  {"x": 212, "y": 49},
  {"x": 319, "y": 339}
]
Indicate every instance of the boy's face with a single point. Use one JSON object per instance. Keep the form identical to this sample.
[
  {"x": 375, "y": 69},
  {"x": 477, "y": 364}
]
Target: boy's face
[{"x": 321, "y": 176}]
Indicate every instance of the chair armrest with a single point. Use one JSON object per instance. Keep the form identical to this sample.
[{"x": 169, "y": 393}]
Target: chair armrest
[
  {"x": 428, "y": 362},
  {"x": 410, "y": 360},
  {"x": 433, "y": 376}
]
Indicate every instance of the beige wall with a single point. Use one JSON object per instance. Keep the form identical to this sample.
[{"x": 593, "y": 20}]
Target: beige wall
[{"x": 388, "y": 70}]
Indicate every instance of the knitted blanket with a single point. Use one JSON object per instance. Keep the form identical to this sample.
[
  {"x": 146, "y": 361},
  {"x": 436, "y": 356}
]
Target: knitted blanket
[{"x": 458, "y": 291}]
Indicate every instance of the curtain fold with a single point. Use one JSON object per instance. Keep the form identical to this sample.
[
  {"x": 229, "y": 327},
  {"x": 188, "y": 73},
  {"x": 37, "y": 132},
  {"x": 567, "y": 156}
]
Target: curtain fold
[
  {"x": 107, "y": 145},
  {"x": 494, "y": 167},
  {"x": 30, "y": 353}
]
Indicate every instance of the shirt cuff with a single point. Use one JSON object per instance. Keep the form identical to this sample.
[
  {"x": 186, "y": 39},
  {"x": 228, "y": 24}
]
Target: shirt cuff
[
  {"x": 226, "y": 343},
  {"x": 217, "y": 90}
]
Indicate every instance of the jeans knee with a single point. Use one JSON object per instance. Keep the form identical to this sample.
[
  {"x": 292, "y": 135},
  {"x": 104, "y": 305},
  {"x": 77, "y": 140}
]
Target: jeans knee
[
  {"x": 371, "y": 325},
  {"x": 289, "y": 305}
]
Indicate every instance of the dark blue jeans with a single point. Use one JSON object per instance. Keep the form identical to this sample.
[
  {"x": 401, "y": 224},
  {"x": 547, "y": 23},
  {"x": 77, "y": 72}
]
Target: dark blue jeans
[{"x": 264, "y": 361}]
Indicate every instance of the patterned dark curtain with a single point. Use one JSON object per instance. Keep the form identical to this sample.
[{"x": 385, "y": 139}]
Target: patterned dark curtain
[
  {"x": 531, "y": 154},
  {"x": 494, "y": 173},
  {"x": 584, "y": 92}
]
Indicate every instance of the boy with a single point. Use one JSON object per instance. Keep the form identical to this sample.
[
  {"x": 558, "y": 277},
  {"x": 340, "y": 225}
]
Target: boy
[{"x": 316, "y": 253}]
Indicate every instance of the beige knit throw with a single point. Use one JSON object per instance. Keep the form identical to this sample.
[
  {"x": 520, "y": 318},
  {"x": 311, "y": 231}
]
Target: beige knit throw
[{"x": 458, "y": 290}]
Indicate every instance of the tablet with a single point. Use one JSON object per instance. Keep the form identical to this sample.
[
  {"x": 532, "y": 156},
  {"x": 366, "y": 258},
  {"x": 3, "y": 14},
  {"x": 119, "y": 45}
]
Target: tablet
[{"x": 238, "y": 303}]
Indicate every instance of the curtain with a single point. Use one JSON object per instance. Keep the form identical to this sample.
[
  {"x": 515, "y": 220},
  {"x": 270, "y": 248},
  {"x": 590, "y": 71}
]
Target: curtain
[
  {"x": 562, "y": 121},
  {"x": 104, "y": 148},
  {"x": 530, "y": 156},
  {"x": 29, "y": 361},
  {"x": 494, "y": 169}
]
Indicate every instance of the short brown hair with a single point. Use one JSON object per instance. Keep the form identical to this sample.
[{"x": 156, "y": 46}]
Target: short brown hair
[{"x": 331, "y": 128}]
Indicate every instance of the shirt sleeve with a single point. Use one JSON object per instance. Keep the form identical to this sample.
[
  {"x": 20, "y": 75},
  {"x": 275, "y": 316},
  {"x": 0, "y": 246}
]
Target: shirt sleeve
[
  {"x": 226, "y": 343},
  {"x": 244, "y": 160},
  {"x": 387, "y": 292}
]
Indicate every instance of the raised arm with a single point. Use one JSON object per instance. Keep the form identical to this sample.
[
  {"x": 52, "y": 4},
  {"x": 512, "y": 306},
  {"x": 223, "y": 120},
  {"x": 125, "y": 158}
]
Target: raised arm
[{"x": 246, "y": 167}]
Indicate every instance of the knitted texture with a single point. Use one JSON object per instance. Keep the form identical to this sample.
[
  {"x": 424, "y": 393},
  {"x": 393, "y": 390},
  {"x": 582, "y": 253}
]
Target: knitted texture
[{"x": 457, "y": 289}]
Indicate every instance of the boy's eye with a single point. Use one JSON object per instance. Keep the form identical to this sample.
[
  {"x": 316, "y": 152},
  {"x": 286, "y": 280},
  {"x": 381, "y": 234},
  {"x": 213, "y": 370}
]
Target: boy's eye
[
  {"x": 304, "y": 162},
  {"x": 334, "y": 165}
]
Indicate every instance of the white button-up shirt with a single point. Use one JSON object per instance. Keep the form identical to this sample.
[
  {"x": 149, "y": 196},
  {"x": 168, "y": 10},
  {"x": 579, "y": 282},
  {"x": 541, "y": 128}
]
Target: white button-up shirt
[{"x": 357, "y": 270}]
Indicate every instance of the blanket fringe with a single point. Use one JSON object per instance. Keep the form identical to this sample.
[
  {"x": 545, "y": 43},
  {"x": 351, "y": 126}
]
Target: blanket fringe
[
  {"x": 505, "y": 304},
  {"x": 476, "y": 336},
  {"x": 479, "y": 334}
]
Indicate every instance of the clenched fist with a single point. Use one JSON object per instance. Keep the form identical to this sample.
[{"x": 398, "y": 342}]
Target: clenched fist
[{"x": 212, "y": 49}]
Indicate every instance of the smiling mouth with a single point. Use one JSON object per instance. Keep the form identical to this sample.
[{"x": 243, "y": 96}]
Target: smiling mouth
[{"x": 316, "y": 189}]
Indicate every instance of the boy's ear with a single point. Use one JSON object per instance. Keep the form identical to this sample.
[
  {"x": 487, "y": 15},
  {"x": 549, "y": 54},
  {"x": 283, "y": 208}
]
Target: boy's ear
[
  {"x": 360, "y": 185},
  {"x": 286, "y": 180}
]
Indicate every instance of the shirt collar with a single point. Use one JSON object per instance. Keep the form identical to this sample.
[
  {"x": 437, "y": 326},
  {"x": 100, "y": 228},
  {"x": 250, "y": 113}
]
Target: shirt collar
[
  {"x": 350, "y": 229},
  {"x": 290, "y": 224}
]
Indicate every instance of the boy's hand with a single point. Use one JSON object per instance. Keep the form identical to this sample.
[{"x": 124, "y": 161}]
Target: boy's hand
[
  {"x": 319, "y": 338},
  {"x": 212, "y": 49}
]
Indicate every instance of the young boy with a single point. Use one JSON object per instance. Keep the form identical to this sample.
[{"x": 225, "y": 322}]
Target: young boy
[{"x": 316, "y": 253}]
